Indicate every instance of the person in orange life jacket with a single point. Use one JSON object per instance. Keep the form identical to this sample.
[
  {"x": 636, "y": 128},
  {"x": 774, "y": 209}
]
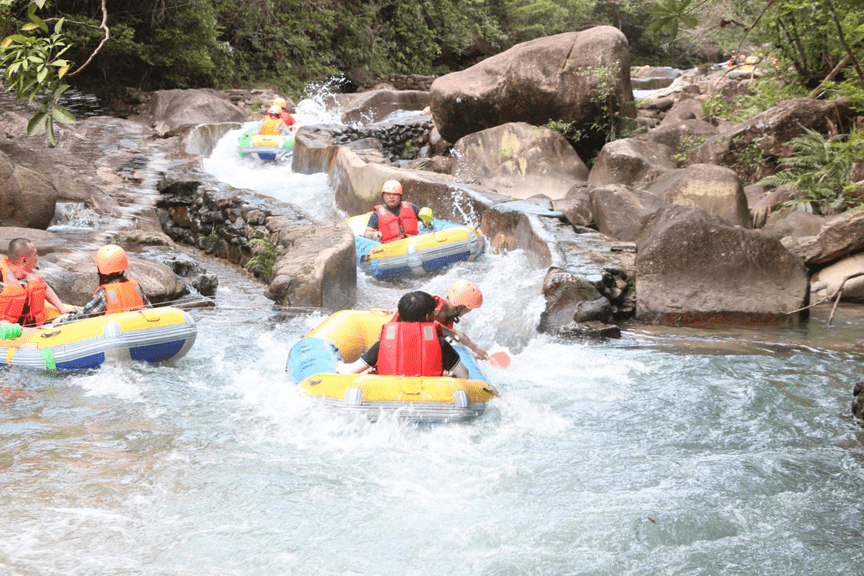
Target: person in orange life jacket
[
  {"x": 286, "y": 116},
  {"x": 272, "y": 123},
  {"x": 116, "y": 292},
  {"x": 394, "y": 219},
  {"x": 462, "y": 297},
  {"x": 411, "y": 345},
  {"x": 23, "y": 291}
]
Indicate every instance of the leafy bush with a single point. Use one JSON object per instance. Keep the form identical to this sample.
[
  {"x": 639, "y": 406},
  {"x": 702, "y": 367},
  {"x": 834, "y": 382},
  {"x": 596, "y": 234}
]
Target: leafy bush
[{"x": 820, "y": 167}]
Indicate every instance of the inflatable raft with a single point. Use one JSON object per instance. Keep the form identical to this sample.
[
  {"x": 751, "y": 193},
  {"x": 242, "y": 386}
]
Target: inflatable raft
[
  {"x": 152, "y": 335},
  {"x": 266, "y": 147},
  {"x": 349, "y": 333},
  {"x": 431, "y": 250}
]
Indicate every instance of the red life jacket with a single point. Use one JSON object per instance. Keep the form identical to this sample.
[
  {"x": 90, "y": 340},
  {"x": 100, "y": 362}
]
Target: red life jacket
[
  {"x": 122, "y": 296},
  {"x": 394, "y": 227},
  {"x": 287, "y": 118},
  {"x": 14, "y": 295},
  {"x": 270, "y": 126},
  {"x": 409, "y": 349},
  {"x": 439, "y": 313}
]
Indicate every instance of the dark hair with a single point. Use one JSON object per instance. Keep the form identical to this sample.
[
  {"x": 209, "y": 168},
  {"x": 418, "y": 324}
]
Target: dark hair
[
  {"x": 17, "y": 248},
  {"x": 110, "y": 278},
  {"x": 415, "y": 306}
]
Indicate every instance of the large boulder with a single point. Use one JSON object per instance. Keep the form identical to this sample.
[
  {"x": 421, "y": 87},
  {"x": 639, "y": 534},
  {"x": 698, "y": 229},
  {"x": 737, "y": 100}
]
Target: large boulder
[
  {"x": 520, "y": 160},
  {"x": 631, "y": 162},
  {"x": 831, "y": 277},
  {"x": 713, "y": 188},
  {"x": 168, "y": 110},
  {"x": 27, "y": 198},
  {"x": 552, "y": 78},
  {"x": 375, "y": 105},
  {"x": 693, "y": 267},
  {"x": 839, "y": 236},
  {"x": 620, "y": 211}
]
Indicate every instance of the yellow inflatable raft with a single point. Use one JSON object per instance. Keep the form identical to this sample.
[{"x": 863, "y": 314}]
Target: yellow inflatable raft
[
  {"x": 152, "y": 335},
  {"x": 349, "y": 333},
  {"x": 430, "y": 250}
]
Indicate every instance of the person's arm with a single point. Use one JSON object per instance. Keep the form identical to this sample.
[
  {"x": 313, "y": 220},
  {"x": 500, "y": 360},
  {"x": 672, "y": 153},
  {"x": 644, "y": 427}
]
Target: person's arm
[
  {"x": 96, "y": 306},
  {"x": 371, "y": 231},
  {"x": 361, "y": 365},
  {"x": 460, "y": 337},
  {"x": 51, "y": 297},
  {"x": 458, "y": 371},
  {"x": 451, "y": 357}
]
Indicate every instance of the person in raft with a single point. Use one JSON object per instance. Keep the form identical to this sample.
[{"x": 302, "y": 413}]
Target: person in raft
[
  {"x": 272, "y": 123},
  {"x": 462, "y": 297},
  {"x": 116, "y": 293},
  {"x": 286, "y": 116},
  {"x": 23, "y": 291},
  {"x": 411, "y": 345},
  {"x": 394, "y": 219}
]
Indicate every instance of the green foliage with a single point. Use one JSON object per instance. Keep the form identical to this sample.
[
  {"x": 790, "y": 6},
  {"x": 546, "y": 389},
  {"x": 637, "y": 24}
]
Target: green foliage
[
  {"x": 766, "y": 94},
  {"x": 670, "y": 15},
  {"x": 820, "y": 168},
  {"x": 686, "y": 144},
  {"x": 34, "y": 68},
  {"x": 263, "y": 257}
]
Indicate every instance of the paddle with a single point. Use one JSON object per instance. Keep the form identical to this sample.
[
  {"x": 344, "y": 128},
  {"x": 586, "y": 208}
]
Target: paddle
[{"x": 500, "y": 359}]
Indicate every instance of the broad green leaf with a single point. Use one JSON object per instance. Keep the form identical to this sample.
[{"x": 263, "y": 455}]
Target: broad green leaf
[
  {"x": 62, "y": 71},
  {"x": 41, "y": 75},
  {"x": 36, "y": 123},
  {"x": 29, "y": 26},
  {"x": 49, "y": 128},
  {"x": 40, "y": 3},
  {"x": 59, "y": 26},
  {"x": 6, "y": 42},
  {"x": 60, "y": 90},
  {"x": 62, "y": 115}
]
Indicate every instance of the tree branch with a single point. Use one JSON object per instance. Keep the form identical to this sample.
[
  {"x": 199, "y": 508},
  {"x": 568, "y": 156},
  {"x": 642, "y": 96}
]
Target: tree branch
[
  {"x": 104, "y": 27},
  {"x": 842, "y": 37}
]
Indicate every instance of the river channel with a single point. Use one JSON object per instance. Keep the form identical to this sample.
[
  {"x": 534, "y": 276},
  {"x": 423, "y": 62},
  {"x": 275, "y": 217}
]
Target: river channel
[{"x": 667, "y": 451}]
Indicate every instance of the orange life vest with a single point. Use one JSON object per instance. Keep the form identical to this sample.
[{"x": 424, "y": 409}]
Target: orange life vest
[
  {"x": 270, "y": 126},
  {"x": 409, "y": 349},
  {"x": 122, "y": 296},
  {"x": 14, "y": 295},
  {"x": 394, "y": 227}
]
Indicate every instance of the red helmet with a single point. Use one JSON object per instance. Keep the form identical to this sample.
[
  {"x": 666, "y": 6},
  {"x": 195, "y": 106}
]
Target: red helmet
[
  {"x": 391, "y": 187},
  {"x": 465, "y": 293},
  {"x": 111, "y": 259}
]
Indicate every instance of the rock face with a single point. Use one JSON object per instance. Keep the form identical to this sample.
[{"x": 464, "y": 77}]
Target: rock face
[
  {"x": 551, "y": 78},
  {"x": 631, "y": 162},
  {"x": 27, "y": 199},
  {"x": 374, "y": 105},
  {"x": 693, "y": 267},
  {"x": 713, "y": 188},
  {"x": 170, "y": 109},
  {"x": 520, "y": 160}
]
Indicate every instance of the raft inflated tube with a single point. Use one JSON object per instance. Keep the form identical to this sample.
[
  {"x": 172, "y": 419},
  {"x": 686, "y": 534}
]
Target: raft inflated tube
[{"x": 10, "y": 331}]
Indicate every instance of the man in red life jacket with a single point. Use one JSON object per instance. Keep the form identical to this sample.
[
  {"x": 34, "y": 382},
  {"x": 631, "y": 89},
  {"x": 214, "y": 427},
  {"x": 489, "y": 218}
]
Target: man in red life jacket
[
  {"x": 116, "y": 292},
  {"x": 410, "y": 346},
  {"x": 286, "y": 116},
  {"x": 394, "y": 219},
  {"x": 23, "y": 291}
]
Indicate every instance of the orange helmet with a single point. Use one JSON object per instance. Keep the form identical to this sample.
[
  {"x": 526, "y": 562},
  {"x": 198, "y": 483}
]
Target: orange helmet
[
  {"x": 465, "y": 293},
  {"x": 391, "y": 187},
  {"x": 111, "y": 259},
  {"x": 280, "y": 102}
]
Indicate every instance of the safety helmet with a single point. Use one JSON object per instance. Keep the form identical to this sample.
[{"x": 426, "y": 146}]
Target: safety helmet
[
  {"x": 274, "y": 110},
  {"x": 391, "y": 187},
  {"x": 280, "y": 102},
  {"x": 111, "y": 259},
  {"x": 465, "y": 293}
]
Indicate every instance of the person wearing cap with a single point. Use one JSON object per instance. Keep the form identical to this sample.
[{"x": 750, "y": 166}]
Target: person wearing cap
[
  {"x": 394, "y": 219},
  {"x": 116, "y": 293},
  {"x": 23, "y": 291},
  {"x": 462, "y": 297},
  {"x": 286, "y": 116},
  {"x": 272, "y": 123},
  {"x": 410, "y": 345}
]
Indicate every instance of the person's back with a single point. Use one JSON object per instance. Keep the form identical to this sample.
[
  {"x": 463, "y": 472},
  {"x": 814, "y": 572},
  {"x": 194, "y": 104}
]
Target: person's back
[{"x": 409, "y": 349}]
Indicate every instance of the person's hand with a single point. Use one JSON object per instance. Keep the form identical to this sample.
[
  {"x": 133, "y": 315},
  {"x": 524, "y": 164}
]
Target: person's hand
[{"x": 374, "y": 235}]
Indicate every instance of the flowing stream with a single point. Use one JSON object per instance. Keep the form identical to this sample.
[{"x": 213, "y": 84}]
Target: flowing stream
[{"x": 668, "y": 451}]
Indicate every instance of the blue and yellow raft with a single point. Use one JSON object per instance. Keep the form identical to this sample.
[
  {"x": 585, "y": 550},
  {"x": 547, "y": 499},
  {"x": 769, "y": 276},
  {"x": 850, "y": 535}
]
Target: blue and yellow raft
[
  {"x": 416, "y": 399},
  {"x": 432, "y": 249},
  {"x": 153, "y": 335}
]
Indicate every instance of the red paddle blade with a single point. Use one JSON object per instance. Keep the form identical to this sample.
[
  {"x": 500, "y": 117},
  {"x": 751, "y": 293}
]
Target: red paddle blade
[{"x": 500, "y": 359}]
